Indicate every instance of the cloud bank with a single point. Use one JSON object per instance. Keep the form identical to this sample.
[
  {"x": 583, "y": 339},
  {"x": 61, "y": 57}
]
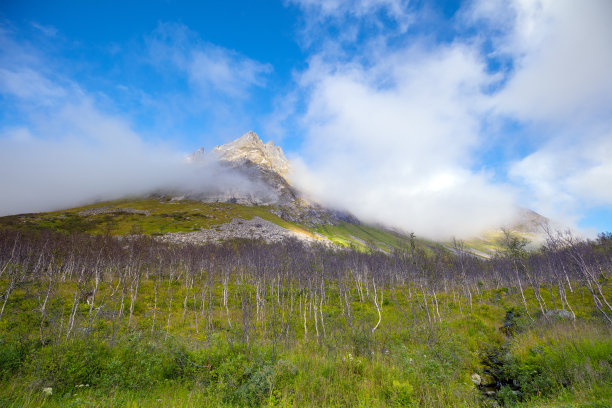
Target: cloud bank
[
  {"x": 438, "y": 125},
  {"x": 396, "y": 132},
  {"x": 392, "y": 141},
  {"x": 64, "y": 149}
]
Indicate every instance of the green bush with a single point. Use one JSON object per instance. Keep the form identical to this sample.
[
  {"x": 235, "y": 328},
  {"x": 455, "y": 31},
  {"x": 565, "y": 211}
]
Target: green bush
[
  {"x": 12, "y": 356},
  {"x": 256, "y": 386},
  {"x": 401, "y": 393},
  {"x": 68, "y": 365},
  {"x": 134, "y": 363},
  {"x": 141, "y": 362}
]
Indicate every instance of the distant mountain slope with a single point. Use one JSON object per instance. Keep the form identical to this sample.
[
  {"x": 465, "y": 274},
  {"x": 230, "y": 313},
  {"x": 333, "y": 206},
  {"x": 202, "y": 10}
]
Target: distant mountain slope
[
  {"x": 527, "y": 224},
  {"x": 268, "y": 207},
  {"x": 188, "y": 221}
]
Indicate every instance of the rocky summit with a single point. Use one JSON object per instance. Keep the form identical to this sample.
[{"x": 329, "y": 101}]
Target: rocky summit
[
  {"x": 268, "y": 171},
  {"x": 250, "y": 150},
  {"x": 257, "y": 173}
]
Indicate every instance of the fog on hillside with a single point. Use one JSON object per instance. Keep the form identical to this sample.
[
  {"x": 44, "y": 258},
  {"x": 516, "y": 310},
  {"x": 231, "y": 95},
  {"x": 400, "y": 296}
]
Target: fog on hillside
[{"x": 41, "y": 175}]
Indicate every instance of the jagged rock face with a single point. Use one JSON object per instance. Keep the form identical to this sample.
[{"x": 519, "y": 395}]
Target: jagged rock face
[
  {"x": 249, "y": 149},
  {"x": 264, "y": 164}
]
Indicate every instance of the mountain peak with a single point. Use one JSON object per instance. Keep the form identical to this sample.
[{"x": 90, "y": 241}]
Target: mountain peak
[
  {"x": 196, "y": 156},
  {"x": 264, "y": 164},
  {"x": 249, "y": 137},
  {"x": 250, "y": 148}
]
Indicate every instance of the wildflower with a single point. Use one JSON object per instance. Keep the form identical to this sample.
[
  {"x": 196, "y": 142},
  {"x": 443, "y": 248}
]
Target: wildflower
[{"x": 47, "y": 391}]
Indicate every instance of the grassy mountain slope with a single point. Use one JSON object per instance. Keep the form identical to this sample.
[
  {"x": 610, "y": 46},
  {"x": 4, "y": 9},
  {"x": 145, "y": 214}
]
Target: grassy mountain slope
[
  {"x": 153, "y": 216},
  {"x": 488, "y": 244},
  {"x": 158, "y": 216}
]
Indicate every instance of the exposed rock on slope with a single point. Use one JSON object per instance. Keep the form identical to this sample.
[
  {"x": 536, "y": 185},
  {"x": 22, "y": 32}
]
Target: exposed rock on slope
[
  {"x": 255, "y": 228},
  {"x": 249, "y": 149}
]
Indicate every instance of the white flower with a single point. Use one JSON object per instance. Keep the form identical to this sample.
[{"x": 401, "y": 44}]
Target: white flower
[{"x": 47, "y": 391}]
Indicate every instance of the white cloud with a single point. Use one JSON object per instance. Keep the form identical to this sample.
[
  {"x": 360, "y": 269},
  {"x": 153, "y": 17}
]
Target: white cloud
[
  {"x": 565, "y": 176},
  {"x": 562, "y": 53},
  {"x": 212, "y": 71},
  {"x": 395, "y": 134},
  {"x": 30, "y": 85},
  {"x": 561, "y": 89},
  {"x": 396, "y": 9},
  {"x": 393, "y": 142},
  {"x": 215, "y": 67},
  {"x": 351, "y": 18},
  {"x": 73, "y": 153}
]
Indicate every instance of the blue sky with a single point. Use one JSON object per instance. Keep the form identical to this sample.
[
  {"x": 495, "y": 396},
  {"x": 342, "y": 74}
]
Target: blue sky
[{"x": 439, "y": 117}]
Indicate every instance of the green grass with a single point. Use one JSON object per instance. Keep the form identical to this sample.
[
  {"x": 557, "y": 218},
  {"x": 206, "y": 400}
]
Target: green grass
[
  {"x": 489, "y": 243},
  {"x": 361, "y": 236},
  {"x": 407, "y": 362},
  {"x": 164, "y": 216},
  {"x": 185, "y": 216}
]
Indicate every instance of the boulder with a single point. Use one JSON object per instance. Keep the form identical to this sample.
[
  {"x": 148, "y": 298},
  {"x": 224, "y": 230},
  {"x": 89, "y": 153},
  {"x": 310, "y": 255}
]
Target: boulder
[
  {"x": 476, "y": 379},
  {"x": 559, "y": 314}
]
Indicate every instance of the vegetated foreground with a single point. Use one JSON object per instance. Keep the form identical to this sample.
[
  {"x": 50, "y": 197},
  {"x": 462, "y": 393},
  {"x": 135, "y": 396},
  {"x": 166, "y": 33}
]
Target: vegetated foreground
[{"x": 105, "y": 321}]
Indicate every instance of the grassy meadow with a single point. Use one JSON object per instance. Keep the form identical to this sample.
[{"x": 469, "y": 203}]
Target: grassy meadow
[{"x": 100, "y": 321}]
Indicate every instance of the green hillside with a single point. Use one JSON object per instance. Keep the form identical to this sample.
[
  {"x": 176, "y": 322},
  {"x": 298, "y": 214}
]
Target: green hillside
[
  {"x": 153, "y": 216},
  {"x": 158, "y": 216}
]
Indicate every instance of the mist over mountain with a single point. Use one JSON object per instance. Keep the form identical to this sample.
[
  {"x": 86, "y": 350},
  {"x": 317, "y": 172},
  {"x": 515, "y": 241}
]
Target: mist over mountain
[
  {"x": 244, "y": 171},
  {"x": 264, "y": 166},
  {"x": 298, "y": 194},
  {"x": 111, "y": 163}
]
